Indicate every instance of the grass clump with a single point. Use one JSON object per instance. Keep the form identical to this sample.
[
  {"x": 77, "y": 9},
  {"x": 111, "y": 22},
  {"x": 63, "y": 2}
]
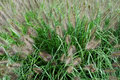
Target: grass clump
[{"x": 56, "y": 40}]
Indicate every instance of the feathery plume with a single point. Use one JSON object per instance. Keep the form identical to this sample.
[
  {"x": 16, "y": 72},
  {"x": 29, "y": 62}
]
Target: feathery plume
[
  {"x": 71, "y": 50},
  {"x": 113, "y": 78},
  {"x": 2, "y": 41},
  {"x": 59, "y": 31},
  {"x": 76, "y": 61},
  {"x": 15, "y": 27},
  {"x": 70, "y": 69},
  {"x": 73, "y": 19},
  {"x": 90, "y": 67},
  {"x": 92, "y": 44},
  {"x": 37, "y": 70},
  {"x": 76, "y": 78},
  {"x": 27, "y": 40},
  {"x": 68, "y": 60},
  {"x": 62, "y": 57},
  {"x": 67, "y": 39},
  {"x": 14, "y": 65},
  {"x": 45, "y": 18},
  {"x": 12, "y": 75},
  {"x": 32, "y": 31},
  {"x": 4, "y": 62},
  {"x": 14, "y": 49},
  {"x": 46, "y": 57},
  {"x": 2, "y": 51},
  {"x": 117, "y": 46},
  {"x": 109, "y": 71},
  {"x": 64, "y": 23}
]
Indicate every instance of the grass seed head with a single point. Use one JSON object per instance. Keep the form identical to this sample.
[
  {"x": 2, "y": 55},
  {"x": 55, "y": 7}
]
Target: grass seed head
[
  {"x": 64, "y": 22},
  {"x": 70, "y": 69},
  {"x": 71, "y": 50},
  {"x": 115, "y": 54},
  {"x": 14, "y": 49},
  {"x": 13, "y": 76},
  {"x": 109, "y": 71},
  {"x": 37, "y": 70},
  {"x": 113, "y": 78},
  {"x": 15, "y": 27},
  {"x": 26, "y": 50},
  {"x": 76, "y": 78},
  {"x": 76, "y": 61},
  {"x": 67, "y": 39},
  {"x": 46, "y": 57},
  {"x": 2, "y": 51},
  {"x": 62, "y": 58},
  {"x": 90, "y": 67},
  {"x": 4, "y": 62},
  {"x": 27, "y": 40},
  {"x": 32, "y": 31},
  {"x": 14, "y": 65},
  {"x": 117, "y": 46},
  {"x": 116, "y": 65},
  {"x": 59, "y": 31},
  {"x": 2, "y": 41},
  {"x": 92, "y": 44},
  {"x": 68, "y": 60},
  {"x": 73, "y": 19}
]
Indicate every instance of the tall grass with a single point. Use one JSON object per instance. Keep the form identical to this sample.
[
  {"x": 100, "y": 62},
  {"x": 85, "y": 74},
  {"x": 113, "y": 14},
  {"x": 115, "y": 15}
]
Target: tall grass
[{"x": 59, "y": 39}]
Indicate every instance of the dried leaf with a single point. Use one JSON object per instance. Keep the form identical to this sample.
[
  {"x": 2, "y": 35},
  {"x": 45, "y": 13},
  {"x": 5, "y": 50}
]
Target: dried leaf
[
  {"x": 67, "y": 39},
  {"x": 90, "y": 67},
  {"x": 62, "y": 57},
  {"x": 92, "y": 44},
  {"x": 46, "y": 57},
  {"x": 71, "y": 50},
  {"x": 37, "y": 70},
  {"x": 70, "y": 69},
  {"x": 68, "y": 60},
  {"x": 32, "y": 31},
  {"x": 2, "y": 51},
  {"x": 59, "y": 31},
  {"x": 76, "y": 61},
  {"x": 115, "y": 54}
]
